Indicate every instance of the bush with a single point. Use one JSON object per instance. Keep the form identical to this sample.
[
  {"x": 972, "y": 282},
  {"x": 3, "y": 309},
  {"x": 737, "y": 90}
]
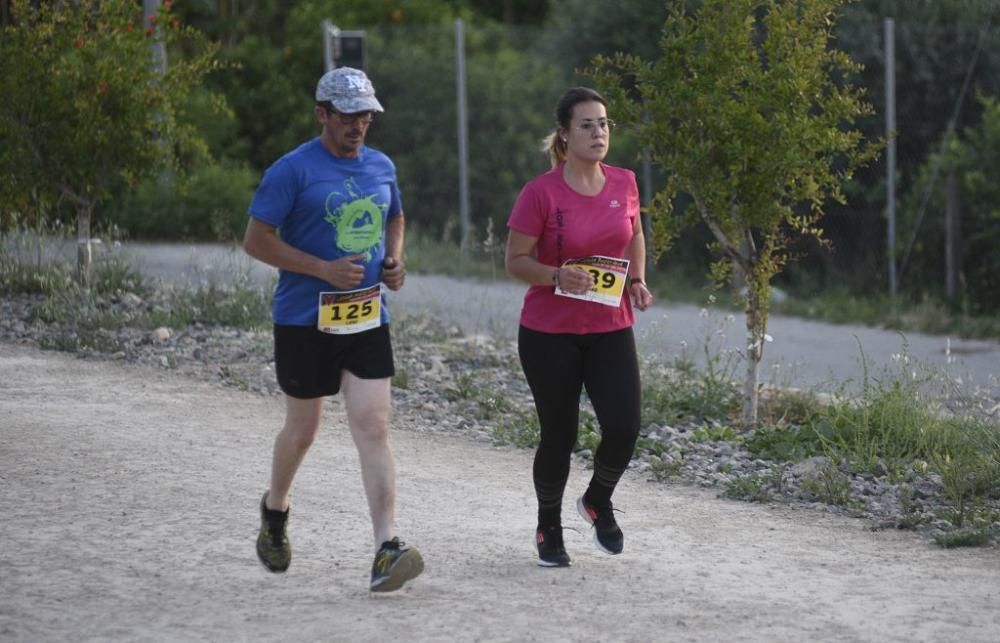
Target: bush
[{"x": 208, "y": 204}]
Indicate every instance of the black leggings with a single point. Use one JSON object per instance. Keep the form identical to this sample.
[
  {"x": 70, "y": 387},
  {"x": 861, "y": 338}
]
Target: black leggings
[{"x": 557, "y": 366}]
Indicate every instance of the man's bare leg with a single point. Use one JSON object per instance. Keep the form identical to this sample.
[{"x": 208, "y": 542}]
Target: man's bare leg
[
  {"x": 290, "y": 447},
  {"x": 367, "y": 405}
]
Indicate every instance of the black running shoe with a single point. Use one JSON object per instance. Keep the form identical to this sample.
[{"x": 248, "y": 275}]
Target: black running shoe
[
  {"x": 273, "y": 547},
  {"x": 607, "y": 535},
  {"x": 551, "y": 551},
  {"x": 395, "y": 563}
]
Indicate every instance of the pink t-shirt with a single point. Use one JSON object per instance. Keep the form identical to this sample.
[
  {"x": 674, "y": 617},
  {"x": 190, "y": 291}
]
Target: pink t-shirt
[{"x": 569, "y": 225}]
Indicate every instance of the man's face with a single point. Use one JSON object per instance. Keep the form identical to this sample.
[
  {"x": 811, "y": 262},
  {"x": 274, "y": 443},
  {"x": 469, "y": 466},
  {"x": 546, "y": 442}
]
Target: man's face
[{"x": 344, "y": 133}]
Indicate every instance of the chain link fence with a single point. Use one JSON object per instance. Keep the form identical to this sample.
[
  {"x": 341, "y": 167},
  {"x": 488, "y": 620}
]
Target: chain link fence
[{"x": 513, "y": 80}]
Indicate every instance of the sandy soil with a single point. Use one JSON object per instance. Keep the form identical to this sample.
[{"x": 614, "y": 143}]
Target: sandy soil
[{"x": 129, "y": 511}]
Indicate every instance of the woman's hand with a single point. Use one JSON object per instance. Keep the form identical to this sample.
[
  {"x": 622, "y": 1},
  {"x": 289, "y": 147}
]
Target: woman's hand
[
  {"x": 574, "y": 280},
  {"x": 641, "y": 296}
]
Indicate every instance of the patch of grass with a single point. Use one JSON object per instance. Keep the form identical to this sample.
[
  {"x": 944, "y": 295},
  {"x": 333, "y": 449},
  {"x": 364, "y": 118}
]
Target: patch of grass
[
  {"x": 464, "y": 387},
  {"x": 964, "y": 538},
  {"x": 588, "y": 435},
  {"x": 752, "y": 488},
  {"x": 687, "y": 395},
  {"x": 518, "y": 428},
  {"x": 830, "y": 486},
  {"x": 246, "y": 307},
  {"x": 483, "y": 258},
  {"x": 784, "y": 407},
  {"x": 663, "y": 471},
  {"x": 784, "y": 444},
  {"x": 688, "y": 392},
  {"x": 909, "y": 510},
  {"x": 925, "y": 315},
  {"x": 646, "y": 445},
  {"x": 715, "y": 433},
  {"x": 969, "y": 476},
  {"x": 401, "y": 379}
]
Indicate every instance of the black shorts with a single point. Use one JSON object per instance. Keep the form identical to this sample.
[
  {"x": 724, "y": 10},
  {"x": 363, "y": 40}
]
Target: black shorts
[{"x": 308, "y": 362}]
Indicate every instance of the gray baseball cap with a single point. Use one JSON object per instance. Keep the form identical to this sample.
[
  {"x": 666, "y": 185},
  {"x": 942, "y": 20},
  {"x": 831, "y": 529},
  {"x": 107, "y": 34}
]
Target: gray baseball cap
[{"x": 349, "y": 90}]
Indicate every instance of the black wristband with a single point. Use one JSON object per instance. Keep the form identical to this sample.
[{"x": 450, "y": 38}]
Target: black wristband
[{"x": 636, "y": 280}]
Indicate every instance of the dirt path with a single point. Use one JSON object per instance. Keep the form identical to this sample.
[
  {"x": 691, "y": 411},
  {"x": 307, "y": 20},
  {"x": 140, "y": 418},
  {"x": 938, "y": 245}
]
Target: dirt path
[{"x": 129, "y": 504}]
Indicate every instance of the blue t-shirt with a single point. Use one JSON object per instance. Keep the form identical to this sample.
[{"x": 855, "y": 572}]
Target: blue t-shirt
[{"x": 329, "y": 207}]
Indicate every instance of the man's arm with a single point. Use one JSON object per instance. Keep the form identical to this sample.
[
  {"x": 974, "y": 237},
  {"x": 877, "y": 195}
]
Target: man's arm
[
  {"x": 393, "y": 268},
  {"x": 261, "y": 242}
]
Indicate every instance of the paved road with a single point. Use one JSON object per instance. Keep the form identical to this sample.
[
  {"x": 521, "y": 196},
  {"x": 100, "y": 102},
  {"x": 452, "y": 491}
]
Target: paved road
[{"x": 802, "y": 353}]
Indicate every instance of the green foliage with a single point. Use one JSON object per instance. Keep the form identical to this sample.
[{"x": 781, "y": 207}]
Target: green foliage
[
  {"x": 753, "y": 488},
  {"x": 518, "y": 428},
  {"x": 510, "y": 99},
  {"x": 648, "y": 446},
  {"x": 663, "y": 471},
  {"x": 970, "y": 471},
  {"x": 209, "y": 202},
  {"x": 26, "y": 269},
  {"x": 686, "y": 395},
  {"x": 401, "y": 379},
  {"x": 964, "y": 538},
  {"x": 589, "y": 434},
  {"x": 715, "y": 433},
  {"x": 924, "y": 314},
  {"x": 830, "y": 485},
  {"x": 84, "y": 109},
  {"x": 788, "y": 444},
  {"x": 237, "y": 307},
  {"x": 430, "y": 255},
  {"x": 968, "y": 157},
  {"x": 686, "y": 392},
  {"x": 745, "y": 112}
]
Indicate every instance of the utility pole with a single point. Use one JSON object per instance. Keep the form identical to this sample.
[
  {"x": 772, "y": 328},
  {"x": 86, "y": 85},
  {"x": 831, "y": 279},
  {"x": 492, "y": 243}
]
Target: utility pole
[
  {"x": 463, "y": 137},
  {"x": 890, "y": 154},
  {"x": 150, "y": 8}
]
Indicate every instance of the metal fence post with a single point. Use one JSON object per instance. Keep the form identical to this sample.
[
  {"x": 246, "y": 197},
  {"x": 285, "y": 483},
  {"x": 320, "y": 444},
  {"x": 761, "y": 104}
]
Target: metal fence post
[
  {"x": 463, "y": 136},
  {"x": 890, "y": 155}
]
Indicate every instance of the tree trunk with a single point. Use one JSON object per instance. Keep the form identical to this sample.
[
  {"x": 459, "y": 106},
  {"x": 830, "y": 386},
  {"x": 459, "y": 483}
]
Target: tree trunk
[
  {"x": 755, "y": 350},
  {"x": 83, "y": 247}
]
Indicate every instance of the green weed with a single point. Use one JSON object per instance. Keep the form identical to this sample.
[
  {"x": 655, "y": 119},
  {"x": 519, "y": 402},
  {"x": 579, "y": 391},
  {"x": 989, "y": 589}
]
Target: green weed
[
  {"x": 830, "y": 486},
  {"x": 964, "y": 538},
  {"x": 752, "y": 488},
  {"x": 518, "y": 428}
]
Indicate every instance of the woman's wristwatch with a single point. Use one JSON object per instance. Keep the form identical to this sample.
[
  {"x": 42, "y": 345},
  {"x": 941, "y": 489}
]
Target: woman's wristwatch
[{"x": 635, "y": 280}]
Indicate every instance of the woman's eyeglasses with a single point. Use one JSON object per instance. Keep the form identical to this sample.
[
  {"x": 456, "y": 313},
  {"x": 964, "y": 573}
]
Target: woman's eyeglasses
[{"x": 601, "y": 124}]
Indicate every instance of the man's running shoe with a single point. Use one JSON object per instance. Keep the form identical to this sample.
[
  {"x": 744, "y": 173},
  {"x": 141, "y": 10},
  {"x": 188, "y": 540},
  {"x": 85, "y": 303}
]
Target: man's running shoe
[
  {"x": 273, "y": 547},
  {"x": 395, "y": 563},
  {"x": 551, "y": 551},
  {"x": 607, "y": 535}
]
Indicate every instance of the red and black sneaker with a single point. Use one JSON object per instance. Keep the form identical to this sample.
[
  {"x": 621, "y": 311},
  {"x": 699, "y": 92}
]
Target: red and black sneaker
[
  {"x": 551, "y": 551},
  {"x": 607, "y": 535}
]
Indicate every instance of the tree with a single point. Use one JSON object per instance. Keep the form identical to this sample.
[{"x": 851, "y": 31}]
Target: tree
[
  {"x": 84, "y": 108},
  {"x": 971, "y": 156},
  {"x": 747, "y": 113}
]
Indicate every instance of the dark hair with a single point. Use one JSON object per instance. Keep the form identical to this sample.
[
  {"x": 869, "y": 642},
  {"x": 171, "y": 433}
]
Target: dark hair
[{"x": 554, "y": 144}]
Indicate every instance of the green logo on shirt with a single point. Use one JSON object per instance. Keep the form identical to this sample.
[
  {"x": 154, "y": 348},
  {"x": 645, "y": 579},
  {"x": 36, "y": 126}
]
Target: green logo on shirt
[{"x": 357, "y": 220}]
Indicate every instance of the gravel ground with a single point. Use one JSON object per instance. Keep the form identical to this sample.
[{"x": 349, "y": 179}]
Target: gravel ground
[
  {"x": 451, "y": 383},
  {"x": 130, "y": 513}
]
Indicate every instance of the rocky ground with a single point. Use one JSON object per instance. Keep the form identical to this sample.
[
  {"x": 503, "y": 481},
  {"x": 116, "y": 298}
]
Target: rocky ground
[{"x": 472, "y": 386}]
